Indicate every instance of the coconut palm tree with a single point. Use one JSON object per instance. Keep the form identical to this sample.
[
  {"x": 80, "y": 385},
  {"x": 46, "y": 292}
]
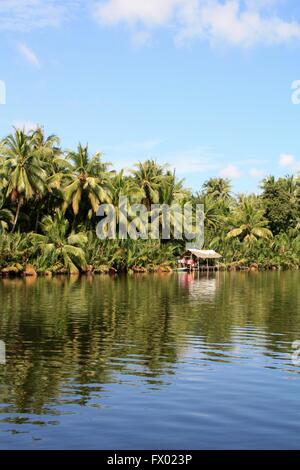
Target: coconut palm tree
[
  {"x": 48, "y": 151},
  {"x": 6, "y": 216},
  {"x": 14, "y": 248},
  {"x": 213, "y": 214},
  {"x": 171, "y": 189},
  {"x": 58, "y": 248},
  {"x": 25, "y": 175},
  {"x": 218, "y": 188},
  {"x": 3, "y": 170},
  {"x": 172, "y": 193},
  {"x": 45, "y": 147},
  {"x": 291, "y": 185},
  {"x": 250, "y": 221},
  {"x": 148, "y": 176},
  {"x": 122, "y": 185},
  {"x": 86, "y": 180}
]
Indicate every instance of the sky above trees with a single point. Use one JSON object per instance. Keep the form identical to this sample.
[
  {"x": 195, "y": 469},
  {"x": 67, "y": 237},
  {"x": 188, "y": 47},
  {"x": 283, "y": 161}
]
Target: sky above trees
[{"x": 204, "y": 85}]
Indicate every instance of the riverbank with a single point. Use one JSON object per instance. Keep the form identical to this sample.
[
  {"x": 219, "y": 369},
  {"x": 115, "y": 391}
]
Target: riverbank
[{"x": 29, "y": 270}]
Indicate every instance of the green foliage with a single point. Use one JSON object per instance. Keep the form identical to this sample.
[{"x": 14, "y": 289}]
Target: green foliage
[
  {"x": 281, "y": 201},
  {"x": 249, "y": 221},
  {"x": 86, "y": 183},
  {"x": 56, "y": 248},
  {"x": 49, "y": 198},
  {"x": 6, "y": 216}
]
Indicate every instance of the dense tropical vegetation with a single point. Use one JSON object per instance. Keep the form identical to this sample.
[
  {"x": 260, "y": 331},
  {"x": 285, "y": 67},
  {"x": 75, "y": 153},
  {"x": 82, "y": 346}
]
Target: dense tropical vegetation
[{"x": 49, "y": 199}]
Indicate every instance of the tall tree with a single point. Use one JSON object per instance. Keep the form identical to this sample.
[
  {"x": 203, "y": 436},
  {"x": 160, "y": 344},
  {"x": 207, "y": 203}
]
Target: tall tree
[
  {"x": 25, "y": 175},
  {"x": 250, "y": 222},
  {"x": 148, "y": 176},
  {"x": 123, "y": 185},
  {"x": 171, "y": 190},
  {"x": 45, "y": 147},
  {"x": 281, "y": 203},
  {"x": 218, "y": 188},
  {"x": 86, "y": 180}
]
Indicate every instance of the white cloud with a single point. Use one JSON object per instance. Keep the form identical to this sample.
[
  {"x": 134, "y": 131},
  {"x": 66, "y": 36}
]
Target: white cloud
[
  {"x": 255, "y": 173},
  {"x": 2, "y": 92},
  {"x": 289, "y": 162},
  {"x": 194, "y": 160},
  {"x": 28, "y": 55},
  {"x": 130, "y": 152},
  {"x": 151, "y": 13},
  {"x": 141, "y": 38},
  {"x": 286, "y": 160},
  {"x": 235, "y": 22},
  {"x": 230, "y": 171},
  {"x": 25, "y": 15},
  {"x": 25, "y": 126},
  {"x": 230, "y": 23},
  {"x": 197, "y": 160}
]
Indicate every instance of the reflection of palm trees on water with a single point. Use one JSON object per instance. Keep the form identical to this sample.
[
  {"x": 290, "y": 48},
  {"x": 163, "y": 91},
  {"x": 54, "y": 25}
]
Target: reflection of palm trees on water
[{"x": 69, "y": 339}]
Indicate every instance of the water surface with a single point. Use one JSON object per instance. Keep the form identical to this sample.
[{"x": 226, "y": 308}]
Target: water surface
[{"x": 164, "y": 361}]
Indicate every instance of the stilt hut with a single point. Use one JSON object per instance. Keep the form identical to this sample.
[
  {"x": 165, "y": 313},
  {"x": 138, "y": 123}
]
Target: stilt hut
[{"x": 192, "y": 257}]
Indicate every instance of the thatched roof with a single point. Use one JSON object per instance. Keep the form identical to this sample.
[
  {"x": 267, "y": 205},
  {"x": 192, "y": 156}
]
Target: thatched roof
[{"x": 204, "y": 254}]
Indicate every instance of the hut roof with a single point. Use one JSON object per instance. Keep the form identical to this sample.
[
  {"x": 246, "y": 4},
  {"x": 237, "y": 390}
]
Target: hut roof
[{"x": 205, "y": 254}]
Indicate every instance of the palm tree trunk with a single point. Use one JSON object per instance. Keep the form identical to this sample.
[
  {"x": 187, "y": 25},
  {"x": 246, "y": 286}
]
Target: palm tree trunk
[
  {"x": 74, "y": 222},
  {"x": 37, "y": 219},
  {"x": 16, "y": 216}
]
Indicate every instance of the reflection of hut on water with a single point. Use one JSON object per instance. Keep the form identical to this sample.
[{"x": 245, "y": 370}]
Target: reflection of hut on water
[
  {"x": 194, "y": 260},
  {"x": 199, "y": 287}
]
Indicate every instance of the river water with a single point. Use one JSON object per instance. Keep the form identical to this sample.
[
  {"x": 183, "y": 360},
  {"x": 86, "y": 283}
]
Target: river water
[{"x": 169, "y": 361}]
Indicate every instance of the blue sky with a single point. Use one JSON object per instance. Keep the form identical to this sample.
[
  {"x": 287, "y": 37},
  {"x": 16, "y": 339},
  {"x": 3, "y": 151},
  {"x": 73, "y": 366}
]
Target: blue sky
[{"x": 204, "y": 85}]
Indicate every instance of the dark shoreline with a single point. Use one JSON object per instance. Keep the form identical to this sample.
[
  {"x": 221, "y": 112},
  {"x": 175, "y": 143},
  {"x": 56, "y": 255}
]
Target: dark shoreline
[{"x": 114, "y": 272}]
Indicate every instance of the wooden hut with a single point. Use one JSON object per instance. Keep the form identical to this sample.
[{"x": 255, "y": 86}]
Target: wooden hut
[{"x": 192, "y": 257}]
